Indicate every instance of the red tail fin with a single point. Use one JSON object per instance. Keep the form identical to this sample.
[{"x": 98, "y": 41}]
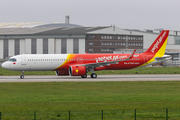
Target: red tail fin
[{"x": 160, "y": 41}]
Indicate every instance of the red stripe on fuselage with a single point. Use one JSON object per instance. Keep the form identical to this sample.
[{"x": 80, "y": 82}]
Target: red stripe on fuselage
[{"x": 78, "y": 59}]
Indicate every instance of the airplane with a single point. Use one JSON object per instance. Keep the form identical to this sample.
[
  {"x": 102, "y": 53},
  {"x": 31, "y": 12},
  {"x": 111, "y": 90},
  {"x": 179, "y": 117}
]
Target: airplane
[{"x": 81, "y": 64}]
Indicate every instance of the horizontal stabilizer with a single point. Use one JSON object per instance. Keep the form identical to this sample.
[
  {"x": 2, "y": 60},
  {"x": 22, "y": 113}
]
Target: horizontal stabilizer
[{"x": 165, "y": 57}]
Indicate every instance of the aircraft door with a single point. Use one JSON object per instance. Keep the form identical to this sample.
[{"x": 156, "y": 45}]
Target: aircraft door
[{"x": 23, "y": 60}]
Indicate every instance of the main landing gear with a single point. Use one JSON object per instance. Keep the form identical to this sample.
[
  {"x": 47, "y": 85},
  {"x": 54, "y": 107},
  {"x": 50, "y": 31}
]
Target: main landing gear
[
  {"x": 84, "y": 76},
  {"x": 22, "y": 75},
  {"x": 93, "y": 75}
]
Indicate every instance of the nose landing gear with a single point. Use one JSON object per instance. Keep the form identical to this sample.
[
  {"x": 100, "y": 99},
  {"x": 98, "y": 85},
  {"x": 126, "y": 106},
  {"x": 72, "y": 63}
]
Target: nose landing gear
[{"x": 22, "y": 75}]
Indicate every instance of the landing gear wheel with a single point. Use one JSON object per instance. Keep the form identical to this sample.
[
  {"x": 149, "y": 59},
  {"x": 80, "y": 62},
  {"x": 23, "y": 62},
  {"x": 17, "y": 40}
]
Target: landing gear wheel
[
  {"x": 22, "y": 76},
  {"x": 84, "y": 76},
  {"x": 93, "y": 75}
]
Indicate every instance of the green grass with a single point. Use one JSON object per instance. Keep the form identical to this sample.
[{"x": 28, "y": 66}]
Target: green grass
[
  {"x": 145, "y": 70},
  {"x": 52, "y": 100}
]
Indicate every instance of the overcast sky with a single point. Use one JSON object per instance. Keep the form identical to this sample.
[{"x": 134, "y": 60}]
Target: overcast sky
[{"x": 131, "y": 14}]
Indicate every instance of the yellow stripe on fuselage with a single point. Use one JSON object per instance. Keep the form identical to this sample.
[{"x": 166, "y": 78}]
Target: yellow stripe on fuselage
[
  {"x": 69, "y": 56},
  {"x": 66, "y": 60}
]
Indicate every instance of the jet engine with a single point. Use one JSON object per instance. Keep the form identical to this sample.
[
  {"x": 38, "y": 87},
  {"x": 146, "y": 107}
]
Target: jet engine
[
  {"x": 62, "y": 72},
  {"x": 77, "y": 70}
]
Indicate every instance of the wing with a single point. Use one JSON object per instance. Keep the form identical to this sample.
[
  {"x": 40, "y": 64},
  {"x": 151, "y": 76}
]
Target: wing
[{"x": 101, "y": 64}]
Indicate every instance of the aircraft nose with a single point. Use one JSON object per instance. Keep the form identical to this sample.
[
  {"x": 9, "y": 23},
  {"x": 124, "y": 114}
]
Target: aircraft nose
[{"x": 4, "y": 65}]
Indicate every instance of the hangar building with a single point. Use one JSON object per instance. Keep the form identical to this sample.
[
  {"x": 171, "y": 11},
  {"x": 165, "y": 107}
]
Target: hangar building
[{"x": 70, "y": 38}]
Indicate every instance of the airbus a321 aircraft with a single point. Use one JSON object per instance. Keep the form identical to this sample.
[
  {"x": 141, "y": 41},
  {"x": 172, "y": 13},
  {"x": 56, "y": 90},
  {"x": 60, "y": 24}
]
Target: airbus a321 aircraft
[{"x": 80, "y": 64}]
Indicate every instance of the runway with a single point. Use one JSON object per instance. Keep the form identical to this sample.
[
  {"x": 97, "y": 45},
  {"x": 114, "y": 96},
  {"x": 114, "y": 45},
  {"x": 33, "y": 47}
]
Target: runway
[{"x": 54, "y": 78}]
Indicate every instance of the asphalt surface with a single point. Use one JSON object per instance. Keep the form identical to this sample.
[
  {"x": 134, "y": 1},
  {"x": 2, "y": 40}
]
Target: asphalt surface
[{"x": 54, "y": 78}]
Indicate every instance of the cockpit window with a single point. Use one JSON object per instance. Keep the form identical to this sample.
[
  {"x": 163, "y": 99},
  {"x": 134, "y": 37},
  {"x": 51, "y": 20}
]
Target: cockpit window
[{"x": 12, "y": 60}]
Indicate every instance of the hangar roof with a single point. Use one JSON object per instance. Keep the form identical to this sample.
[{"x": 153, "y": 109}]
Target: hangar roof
[
  {"x": 59, "y": 25},
  {"x": 48, "y": 30}
]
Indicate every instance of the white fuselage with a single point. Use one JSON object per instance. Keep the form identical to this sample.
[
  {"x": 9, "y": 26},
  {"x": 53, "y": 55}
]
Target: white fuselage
[{"x": 40, "y": 62}]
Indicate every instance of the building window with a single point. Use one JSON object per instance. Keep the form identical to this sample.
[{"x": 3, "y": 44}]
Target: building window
[
  {"x": 91, "y": 36},
  {"x": 45, "y": 46},
  {"x": 63, "y": 46},
  {"x": 6, "y": 48},
  {"x": 115, "y": 37},
  {"x": 33, "y": 46},
  {"x": 75, "y": 45},
  {"x": 177, "y": 40},
  {"x": 17, "y": 47},
  {"x": 102, "y": 37},
  {"x": 126, "y": 44},
  {"x": 91, "y": 49},
  {"x": 90, "y": 43}
]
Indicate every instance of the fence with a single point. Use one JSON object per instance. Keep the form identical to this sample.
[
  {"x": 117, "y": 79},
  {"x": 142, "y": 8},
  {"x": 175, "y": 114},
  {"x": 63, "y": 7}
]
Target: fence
[{"x": 122, "y": 114}]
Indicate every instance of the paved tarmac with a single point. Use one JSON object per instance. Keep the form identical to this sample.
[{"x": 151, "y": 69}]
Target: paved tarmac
[{"x": 54, "y": 78}]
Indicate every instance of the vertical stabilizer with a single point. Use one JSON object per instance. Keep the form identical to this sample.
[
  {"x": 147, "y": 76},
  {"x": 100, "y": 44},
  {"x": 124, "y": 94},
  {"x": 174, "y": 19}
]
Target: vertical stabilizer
[{"x": 159, "y": 45}]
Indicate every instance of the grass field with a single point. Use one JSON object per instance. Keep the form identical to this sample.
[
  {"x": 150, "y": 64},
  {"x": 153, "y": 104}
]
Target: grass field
[
  {"x": 52, "y": 100},
  {"x": 144, "y": 70}
]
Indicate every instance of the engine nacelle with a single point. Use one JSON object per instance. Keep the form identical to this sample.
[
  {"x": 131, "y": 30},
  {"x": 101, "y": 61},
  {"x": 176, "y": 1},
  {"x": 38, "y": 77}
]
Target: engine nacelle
[
  {"x": 62, "y": 72},
  {"x": 77, "y": 70}
]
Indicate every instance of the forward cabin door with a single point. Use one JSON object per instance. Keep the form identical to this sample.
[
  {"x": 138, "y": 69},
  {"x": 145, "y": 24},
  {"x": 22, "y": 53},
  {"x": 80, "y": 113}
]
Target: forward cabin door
[{"x": 23, "y": 60}]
